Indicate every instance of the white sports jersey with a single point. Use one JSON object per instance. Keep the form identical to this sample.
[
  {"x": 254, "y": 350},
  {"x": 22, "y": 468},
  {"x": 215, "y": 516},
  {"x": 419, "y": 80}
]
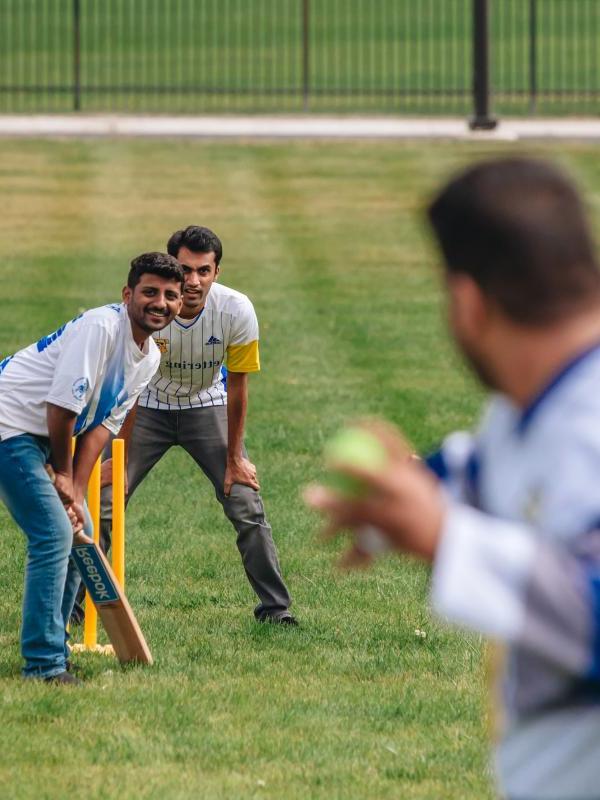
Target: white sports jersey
[
  {"x": 519, "y": 560},
  {"x": 194, "y": 351},
  {"x": 90, "y": 365}
]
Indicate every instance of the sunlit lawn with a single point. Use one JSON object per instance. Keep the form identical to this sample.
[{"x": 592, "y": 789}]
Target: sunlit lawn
[{"x": 328, "y": 241}]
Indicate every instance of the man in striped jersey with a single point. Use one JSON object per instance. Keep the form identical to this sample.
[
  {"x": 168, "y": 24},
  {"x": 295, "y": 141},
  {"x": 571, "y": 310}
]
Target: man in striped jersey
[
  {"x": 511, "y": 520},
  {"x": 190, "y": 403}
]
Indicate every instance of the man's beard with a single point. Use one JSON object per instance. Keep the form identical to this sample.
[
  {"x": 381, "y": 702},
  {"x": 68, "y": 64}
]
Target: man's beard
[
  {"x": 138, "y": 316},
  {"x": 478, "y": 365}
]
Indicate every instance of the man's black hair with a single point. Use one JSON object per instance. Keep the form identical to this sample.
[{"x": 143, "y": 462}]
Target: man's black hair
[
  {"x": 517, "y": 226},
  {"x": 155, "y": 264},
  {"x": 198, "y": 240}
]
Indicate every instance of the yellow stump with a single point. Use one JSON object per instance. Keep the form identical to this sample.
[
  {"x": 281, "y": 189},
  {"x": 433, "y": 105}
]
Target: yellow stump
[
  {"x": 90, "y": 626},
  {"x": 118, "y": 510},
  {"x": 90, "y": 637}
]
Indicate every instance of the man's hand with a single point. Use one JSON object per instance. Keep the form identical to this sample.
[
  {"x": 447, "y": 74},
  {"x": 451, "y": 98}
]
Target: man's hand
[
  {"x": 76, "y": 517},
  {"x": 64, "y": 488},
  {"x": 106, "y": 475},
  {"x": 63, "y": 484},
  {"x": 403, "y": 502},
  {"x": 240, "y": 471}
]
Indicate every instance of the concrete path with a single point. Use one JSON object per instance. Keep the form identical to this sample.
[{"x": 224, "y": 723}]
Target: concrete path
[{"x": 273, "y": 127}]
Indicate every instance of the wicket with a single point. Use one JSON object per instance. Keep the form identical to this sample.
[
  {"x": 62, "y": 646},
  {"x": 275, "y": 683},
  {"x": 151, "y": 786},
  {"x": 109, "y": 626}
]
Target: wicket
[{"x": 90, "y": 625}]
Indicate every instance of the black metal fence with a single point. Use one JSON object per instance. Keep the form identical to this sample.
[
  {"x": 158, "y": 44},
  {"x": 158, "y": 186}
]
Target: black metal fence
[
  {"x": 545, "y": 56},
  {"x": 349, "y": 56}
]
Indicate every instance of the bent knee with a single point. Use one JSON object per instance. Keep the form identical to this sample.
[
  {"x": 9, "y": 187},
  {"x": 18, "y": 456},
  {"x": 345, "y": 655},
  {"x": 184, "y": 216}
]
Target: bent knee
[{"x": 243, "y": 503}]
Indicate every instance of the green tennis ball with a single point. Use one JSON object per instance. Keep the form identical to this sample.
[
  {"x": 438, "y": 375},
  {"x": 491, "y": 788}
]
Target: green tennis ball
[{"x": 356, "y": 447}]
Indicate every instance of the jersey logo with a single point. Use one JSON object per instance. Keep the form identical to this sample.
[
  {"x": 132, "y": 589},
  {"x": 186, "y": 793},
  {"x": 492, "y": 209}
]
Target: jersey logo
[
  {"x": 162, "y": 344},
  {"x": 80, "y": 387},
  {"x": 214, "y": 340}
]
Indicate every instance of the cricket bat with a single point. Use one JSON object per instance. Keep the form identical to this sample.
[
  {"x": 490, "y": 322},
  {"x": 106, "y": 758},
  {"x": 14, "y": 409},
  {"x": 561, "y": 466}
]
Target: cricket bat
[{"x": 113, "y": 608}]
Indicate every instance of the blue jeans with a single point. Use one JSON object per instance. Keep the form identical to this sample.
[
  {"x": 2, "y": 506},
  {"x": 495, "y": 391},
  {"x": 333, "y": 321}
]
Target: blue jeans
[{"x": 51, "y": 578}]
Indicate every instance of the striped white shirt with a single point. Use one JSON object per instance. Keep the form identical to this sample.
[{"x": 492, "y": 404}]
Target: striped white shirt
[{"x": 194, "y": 352}]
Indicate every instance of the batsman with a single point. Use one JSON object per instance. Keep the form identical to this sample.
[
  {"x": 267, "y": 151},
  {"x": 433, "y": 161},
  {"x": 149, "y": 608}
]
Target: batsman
[{"x": 80, "y": 380}]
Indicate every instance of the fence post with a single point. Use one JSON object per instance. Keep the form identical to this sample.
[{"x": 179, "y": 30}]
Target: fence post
[
  {"x": 481, "y": 79},
  {"x": 532, "y": 56},
  {"x": 305, "y": 54},
  {"x": 76, "y": 55}
]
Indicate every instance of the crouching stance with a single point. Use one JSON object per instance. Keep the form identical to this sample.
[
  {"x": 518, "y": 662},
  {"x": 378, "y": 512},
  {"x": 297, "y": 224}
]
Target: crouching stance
[
  {"x": 186, "y": 404},
  {"x": 79, "y": 381}
]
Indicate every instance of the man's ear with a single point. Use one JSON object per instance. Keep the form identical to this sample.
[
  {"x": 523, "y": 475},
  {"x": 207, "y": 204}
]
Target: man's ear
[
  {"x": 126, "y": 294},
  {"x": 217, "y": 270},
  {"x": 469, "y": 308}
]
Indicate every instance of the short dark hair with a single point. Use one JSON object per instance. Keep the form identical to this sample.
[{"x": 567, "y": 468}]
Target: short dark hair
[
  {"x": 517, "y": 226},
  {"x": 198, "y": 240},
  {"x": 155, "y": 264}
]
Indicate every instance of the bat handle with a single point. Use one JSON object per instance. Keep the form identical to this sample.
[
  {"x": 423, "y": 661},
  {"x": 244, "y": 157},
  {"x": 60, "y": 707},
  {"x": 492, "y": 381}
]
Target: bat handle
[{"x": 79, "y": 537}]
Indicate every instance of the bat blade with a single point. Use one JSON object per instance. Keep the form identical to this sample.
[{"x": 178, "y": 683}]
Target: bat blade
[{"x": 113, "y": 608}]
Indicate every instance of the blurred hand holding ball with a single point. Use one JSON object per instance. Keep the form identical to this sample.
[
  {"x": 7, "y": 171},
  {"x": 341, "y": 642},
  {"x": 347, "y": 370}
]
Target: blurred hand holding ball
[
  {"x": 377, "y": 488},
  {"x": 357, "y": 447},
  {"x": 353, "y": 447}
]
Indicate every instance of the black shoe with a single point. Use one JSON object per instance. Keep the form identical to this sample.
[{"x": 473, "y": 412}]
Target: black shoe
[
  {"x": 64, "y": 678},
  {"x": 281, "y": 619},
  {"x": 288, "y": 619},
  {"x": 72, "y": 668}
]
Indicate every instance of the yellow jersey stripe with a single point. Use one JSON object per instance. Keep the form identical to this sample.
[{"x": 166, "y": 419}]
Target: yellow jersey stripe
[{"x": 243, "y": 357}]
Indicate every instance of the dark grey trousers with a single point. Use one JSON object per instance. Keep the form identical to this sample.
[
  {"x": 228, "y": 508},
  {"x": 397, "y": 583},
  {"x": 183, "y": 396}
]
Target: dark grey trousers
[{"x": 202, "y": 432}]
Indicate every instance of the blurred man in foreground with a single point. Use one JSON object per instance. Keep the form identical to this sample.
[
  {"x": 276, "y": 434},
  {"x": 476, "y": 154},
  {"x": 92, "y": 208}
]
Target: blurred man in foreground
[{"x": 510, "y": 516}]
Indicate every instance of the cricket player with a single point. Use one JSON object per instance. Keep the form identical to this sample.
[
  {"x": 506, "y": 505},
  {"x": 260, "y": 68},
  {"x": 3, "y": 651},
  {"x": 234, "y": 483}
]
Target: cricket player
[
  {"x": 510, "y": 515},
  {"x": 79, "y": 381},
  {"x": 187, "y": 404}
]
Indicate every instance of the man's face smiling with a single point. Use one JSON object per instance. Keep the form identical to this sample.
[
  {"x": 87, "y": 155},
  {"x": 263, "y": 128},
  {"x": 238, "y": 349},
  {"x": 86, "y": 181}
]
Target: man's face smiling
[
  {"x": 200, "y": 270},
  {"x": 152, "y": 304}
]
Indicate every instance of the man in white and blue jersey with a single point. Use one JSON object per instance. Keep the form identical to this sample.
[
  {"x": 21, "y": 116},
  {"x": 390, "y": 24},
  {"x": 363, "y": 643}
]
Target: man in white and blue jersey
[
  {"x": 79, "y": 381},
  {"x": 511, "y": 519},
  {"x": 187, "y": 404}
]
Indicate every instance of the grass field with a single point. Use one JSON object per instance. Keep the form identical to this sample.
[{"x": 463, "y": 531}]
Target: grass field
[
  {"x": 328, "y": 242},
  {"x": 193, "y": 56}
]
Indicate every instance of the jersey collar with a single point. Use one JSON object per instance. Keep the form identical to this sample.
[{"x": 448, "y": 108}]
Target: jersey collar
[
  {"x": 190, "y": 322},
  {"x": 559, "y": 378}
]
